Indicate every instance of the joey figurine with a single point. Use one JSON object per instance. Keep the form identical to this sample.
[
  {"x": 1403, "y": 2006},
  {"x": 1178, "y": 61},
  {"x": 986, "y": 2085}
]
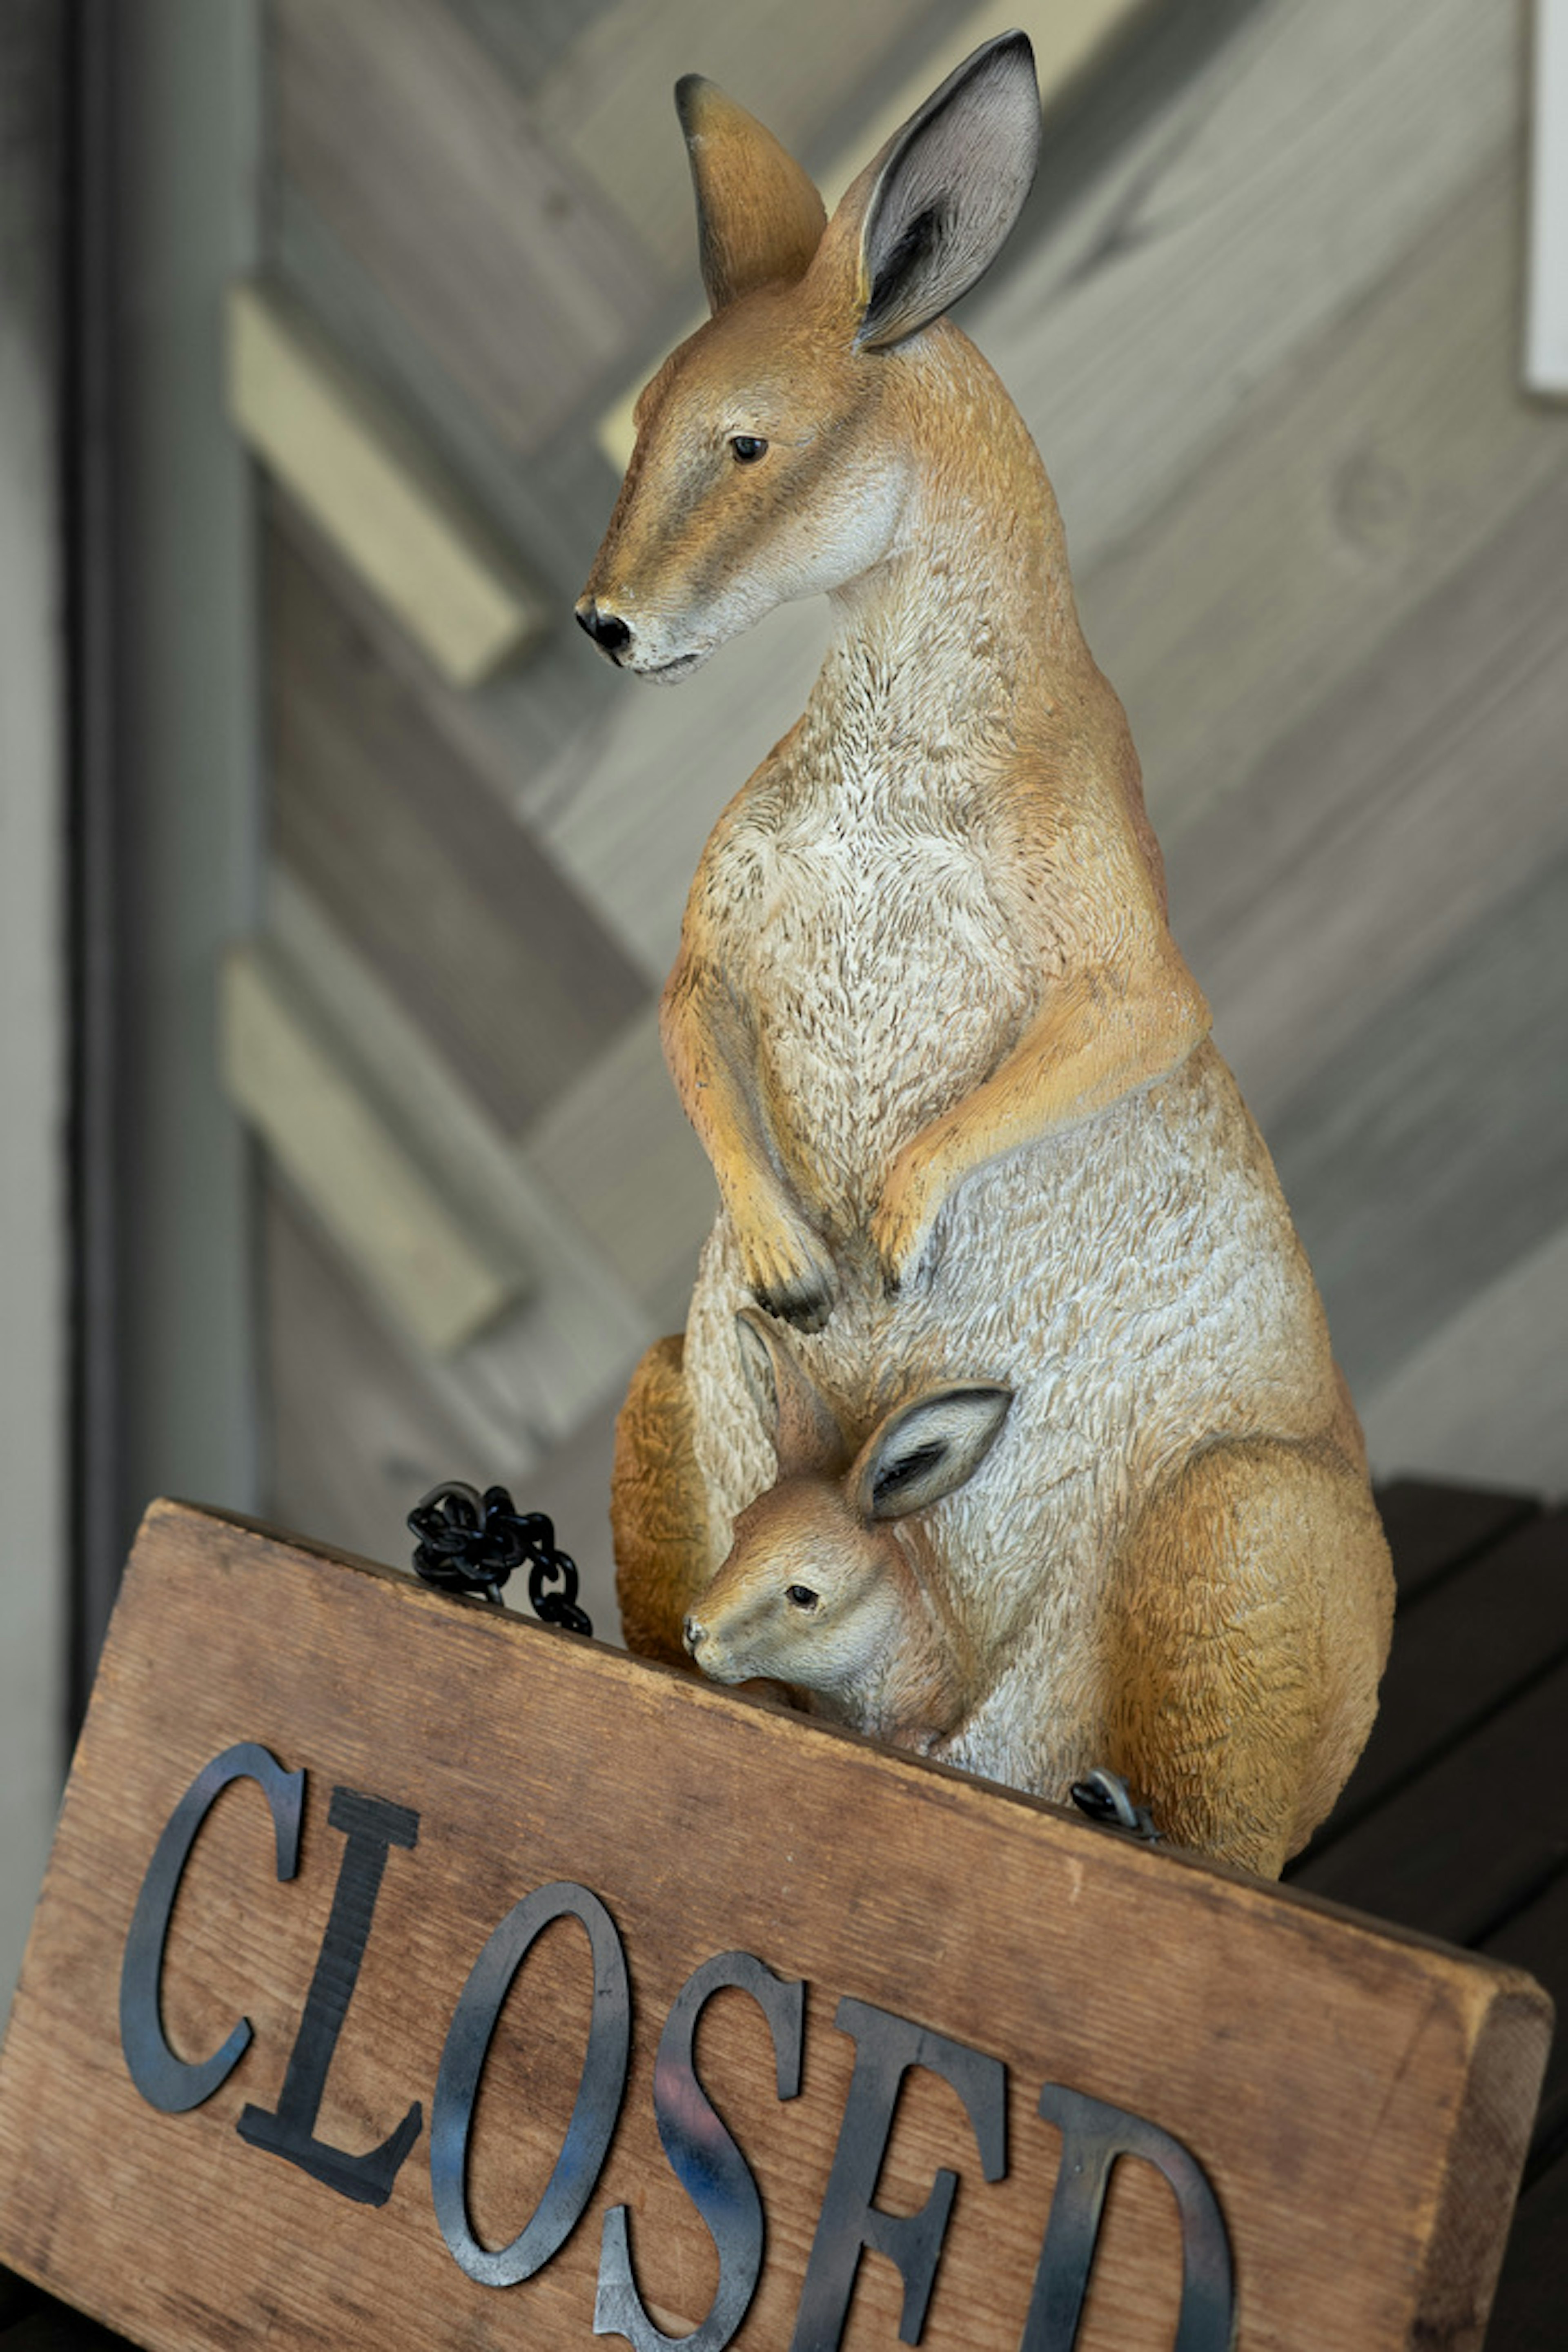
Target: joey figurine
[{"x": 830, "y": 1586}]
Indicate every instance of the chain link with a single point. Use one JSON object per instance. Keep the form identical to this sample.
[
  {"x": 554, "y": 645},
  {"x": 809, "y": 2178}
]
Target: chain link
[{"x": 471, "y": 1542}]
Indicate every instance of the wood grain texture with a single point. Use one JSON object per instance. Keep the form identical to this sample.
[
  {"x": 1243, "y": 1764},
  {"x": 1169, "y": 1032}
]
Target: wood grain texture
[
  {"x": 416, "y": 149},
  {"x": 546, "y": 501},
  {"x": 429, "y": 879},
  {"x": 362, "y": 475},
  {"x": 1272, "y": 195},
  {"x": 1394, "y": 820},
  {"x": 529, "y": 1380},
  {"x": 1536, "y": 1939},
  {"x": 618, "y": 1153},
  {"x": 357, "y": 1433},
  {"x": 1362, "y": 474},
  {"x": 793, "y": 62},
  {"x": 1359, "y": 2099},
  {"x": 360, "y": 1432},
  {"x": 1431, "y": 1152},
  {"x": 1487, "y": 1391},
  {"x": 289, "y": 1077}
]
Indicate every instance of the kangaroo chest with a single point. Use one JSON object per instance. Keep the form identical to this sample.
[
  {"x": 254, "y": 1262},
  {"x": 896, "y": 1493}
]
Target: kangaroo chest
[{"x": 879, "y": 974}]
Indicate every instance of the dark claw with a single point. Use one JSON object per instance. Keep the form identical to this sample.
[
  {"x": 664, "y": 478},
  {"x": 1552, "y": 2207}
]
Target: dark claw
[{"x": 804, "y": 1304}]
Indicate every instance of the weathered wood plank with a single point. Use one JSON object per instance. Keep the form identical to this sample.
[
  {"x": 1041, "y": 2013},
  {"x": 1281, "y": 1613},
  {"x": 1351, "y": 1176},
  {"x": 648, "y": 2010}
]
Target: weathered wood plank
[
  {"x": 1300, "y": 165},
  {"x": 1480, "y": 1636},
  {"x": 1362, "y": 475},
  {"x": 1358, "y": 2099},
  {"x": 526, "y": 41},
  {"x": 288, "y": 1076},
  {"x": 1433, "y": 1529},
  {"x": 1431, "y": 1152},
  {"x": 797, "y": 63},
  {"x": 617, "y": 1151},
  {"x": 1486, "y": 1396},
  {"x": 529, "y": 1380},
  {"x": 1363, "y": 849},
  {"x": 550, "y": 501},
  {"x": 362, "y": 475},
  {"x": 454, "y": 904},
  {"x": 430, "y": 167},
  {"x": 1472, "y": 1837},
  {"x": 357, "y": 1433}
]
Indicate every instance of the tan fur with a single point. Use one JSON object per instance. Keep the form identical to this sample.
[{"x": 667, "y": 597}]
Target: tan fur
[
  {"x": 954, "y": 1079},
  {"x": 658, "y": 1507}
]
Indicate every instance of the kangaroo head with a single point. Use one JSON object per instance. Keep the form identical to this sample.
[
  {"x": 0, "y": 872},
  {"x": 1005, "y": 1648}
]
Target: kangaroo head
[
  {"x": 817, "y": 1590},
  {"x": 770, "y": 462}
]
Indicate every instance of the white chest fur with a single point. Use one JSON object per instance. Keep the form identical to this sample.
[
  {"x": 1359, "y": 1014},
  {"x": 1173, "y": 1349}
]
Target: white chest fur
[{"x": 861, "y": 929}]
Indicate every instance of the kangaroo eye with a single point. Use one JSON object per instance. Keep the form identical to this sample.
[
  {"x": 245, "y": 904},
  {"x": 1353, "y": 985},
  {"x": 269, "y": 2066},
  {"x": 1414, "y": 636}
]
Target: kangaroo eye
[
  {"x": 747, "y": 449},
  {"x": 800, "y": 1596}
]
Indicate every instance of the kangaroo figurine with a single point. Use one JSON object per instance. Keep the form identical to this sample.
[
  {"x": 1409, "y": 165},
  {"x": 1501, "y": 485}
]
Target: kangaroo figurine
[{"x": 928, "y": 1019}]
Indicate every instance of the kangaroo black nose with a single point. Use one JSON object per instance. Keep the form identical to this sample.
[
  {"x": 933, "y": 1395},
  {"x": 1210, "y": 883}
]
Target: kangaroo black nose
[
  {"x": 693, "y": 1632},
  {"x": 608, "y": 631}
]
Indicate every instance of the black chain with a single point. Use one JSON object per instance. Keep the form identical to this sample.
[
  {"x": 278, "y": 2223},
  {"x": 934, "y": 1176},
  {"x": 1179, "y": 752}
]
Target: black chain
[{"x": 471, "y": 1542}]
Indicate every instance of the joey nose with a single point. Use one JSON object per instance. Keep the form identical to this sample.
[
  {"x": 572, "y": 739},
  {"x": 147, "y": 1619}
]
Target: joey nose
[{"x": 608, "y": 631}]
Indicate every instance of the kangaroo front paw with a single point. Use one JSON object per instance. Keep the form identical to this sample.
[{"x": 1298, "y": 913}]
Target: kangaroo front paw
[
  {"x": 901, "y": 1230},
  {"x": 790, "y": 1271}
]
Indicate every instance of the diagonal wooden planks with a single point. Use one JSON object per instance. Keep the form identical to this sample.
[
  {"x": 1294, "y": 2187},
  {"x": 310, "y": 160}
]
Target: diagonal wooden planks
[
  {"x": 1392, "y": 821},
  {"x": 1361, "y": 476},
  {"x": 483, "y": 940},
  {"x": 1274, "y": 195},
  {"x": 416, "y": 149},
  {"x": 1432, "y": 1151},
  {"x": 793, "y": 62},
  {"x": 1486, "y": 1395}
]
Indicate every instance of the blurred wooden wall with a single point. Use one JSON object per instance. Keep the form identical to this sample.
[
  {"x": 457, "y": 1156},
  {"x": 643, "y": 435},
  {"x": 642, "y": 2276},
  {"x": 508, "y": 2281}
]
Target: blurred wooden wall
[{"x": 1262, "y": 317}]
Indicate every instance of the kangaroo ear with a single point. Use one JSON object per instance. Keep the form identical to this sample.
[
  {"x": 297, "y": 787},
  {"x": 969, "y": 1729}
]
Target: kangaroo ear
[
  {"x": 927, "y": 1449},
  {"x": 803, "y": 1424},
  {"x": 943, "y": 193},
  {"x": 759, "y": 218}
]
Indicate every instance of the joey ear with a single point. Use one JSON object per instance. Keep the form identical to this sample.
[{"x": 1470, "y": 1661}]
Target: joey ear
[
  {"x": 797, "y": 1416},
  {"x": 758, "y": 217},
  {"x": 927, "y": 1449},
  {"x": 946, "y": 190}
]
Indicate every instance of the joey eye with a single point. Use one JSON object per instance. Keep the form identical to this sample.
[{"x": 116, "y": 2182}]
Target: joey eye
[
  {"x": 800, "y": 1596},
  {"x": 747, "y": 449}
]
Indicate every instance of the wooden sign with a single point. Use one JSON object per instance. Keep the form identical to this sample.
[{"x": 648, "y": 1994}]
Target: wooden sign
[{"x": 407, "y": 1974}]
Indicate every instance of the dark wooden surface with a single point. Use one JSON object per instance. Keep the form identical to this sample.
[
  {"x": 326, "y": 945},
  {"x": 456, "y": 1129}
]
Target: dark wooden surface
[{"x": 1456, "y": 1824}]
